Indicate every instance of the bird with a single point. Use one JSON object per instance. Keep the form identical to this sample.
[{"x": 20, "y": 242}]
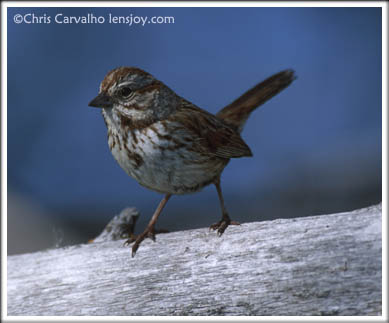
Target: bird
[{"x": 170, "y": 145}]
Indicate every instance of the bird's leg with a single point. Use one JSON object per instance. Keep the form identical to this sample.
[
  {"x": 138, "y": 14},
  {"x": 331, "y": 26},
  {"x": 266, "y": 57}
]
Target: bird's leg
[
  {"x": 225, "y": 221},
  {"x": 149, "y": 231}
]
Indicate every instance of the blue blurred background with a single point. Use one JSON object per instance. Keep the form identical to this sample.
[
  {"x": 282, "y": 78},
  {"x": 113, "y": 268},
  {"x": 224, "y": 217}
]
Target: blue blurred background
[{"x": 316, "y": 145}]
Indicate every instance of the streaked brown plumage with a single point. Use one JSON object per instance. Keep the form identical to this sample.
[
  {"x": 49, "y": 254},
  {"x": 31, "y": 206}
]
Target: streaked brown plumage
[{"x": 167, "y": 143}]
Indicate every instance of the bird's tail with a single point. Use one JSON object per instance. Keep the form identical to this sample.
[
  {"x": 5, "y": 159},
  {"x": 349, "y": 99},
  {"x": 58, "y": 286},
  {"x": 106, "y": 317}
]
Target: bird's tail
[{"x": 238, "y": 111}]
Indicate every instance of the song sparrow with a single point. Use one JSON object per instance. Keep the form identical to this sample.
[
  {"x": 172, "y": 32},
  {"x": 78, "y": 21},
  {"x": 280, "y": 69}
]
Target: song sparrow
[{"x": 168, "y": 144}]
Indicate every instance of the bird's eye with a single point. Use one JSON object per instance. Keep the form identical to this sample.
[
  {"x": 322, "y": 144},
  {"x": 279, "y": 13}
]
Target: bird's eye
[{"x": 125, "y": 92}]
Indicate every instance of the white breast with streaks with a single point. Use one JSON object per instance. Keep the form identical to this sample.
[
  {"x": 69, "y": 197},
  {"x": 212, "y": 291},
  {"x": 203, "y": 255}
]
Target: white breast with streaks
[{"x": 161, "y": 164}]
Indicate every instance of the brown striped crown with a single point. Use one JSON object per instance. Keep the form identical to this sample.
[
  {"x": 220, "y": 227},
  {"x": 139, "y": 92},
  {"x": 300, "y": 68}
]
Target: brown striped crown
[{"x": 120, "y": 74}]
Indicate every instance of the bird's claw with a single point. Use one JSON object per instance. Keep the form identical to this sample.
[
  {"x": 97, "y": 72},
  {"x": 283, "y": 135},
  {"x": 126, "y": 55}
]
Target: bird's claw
[
  {"x": 148, "y": 233},
  {"x": 130, "y": 240},
  {"x": 222, "y": 225}
]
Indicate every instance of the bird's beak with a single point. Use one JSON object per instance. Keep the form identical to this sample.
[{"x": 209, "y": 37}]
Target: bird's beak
[{"x": 101, "y": 101}]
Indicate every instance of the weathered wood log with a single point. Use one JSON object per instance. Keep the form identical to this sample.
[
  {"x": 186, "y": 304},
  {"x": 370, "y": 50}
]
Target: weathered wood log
[{"x": 318, "y": 265}]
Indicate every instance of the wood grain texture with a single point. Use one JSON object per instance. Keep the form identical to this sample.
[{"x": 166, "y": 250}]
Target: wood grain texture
[{"x": 318, "y": 265}]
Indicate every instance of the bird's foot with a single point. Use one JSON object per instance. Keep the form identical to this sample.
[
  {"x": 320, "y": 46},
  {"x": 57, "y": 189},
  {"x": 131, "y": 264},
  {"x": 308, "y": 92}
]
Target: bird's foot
[
  {"x": 222, "y": 225},
  {"x": 148, "y": 233},
  {"x": 135, "y": 237}
]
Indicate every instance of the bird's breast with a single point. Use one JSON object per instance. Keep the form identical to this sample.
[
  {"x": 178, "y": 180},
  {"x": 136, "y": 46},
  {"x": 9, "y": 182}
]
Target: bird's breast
[{"x": 162, "y": 159}]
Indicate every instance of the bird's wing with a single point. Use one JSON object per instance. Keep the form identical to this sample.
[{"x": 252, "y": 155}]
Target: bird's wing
[{"x": 211, "y": 136}]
